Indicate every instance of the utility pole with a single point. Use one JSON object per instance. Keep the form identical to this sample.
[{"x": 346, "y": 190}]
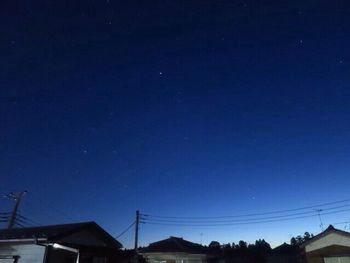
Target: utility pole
[
  {"x": 17, "y": 197},
  {"x": 137, "y": 222}
]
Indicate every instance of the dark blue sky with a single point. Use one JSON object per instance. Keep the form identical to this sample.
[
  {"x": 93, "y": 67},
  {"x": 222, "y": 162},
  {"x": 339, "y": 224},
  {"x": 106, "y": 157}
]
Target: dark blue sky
[{"x": 194, "y": 108}]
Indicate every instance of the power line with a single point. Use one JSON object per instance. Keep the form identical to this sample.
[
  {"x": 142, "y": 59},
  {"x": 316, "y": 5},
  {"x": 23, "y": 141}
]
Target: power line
[
  {"x": 340, "y": 223},
  {"x": 238, "y": 220},
  {"x": 17, "y": 198},
  {"x": 253, "y": 214},
  {"x": 19, "y": 217},
  {"x": 19, "y": 224},
  {"x": 240, "y": 223},
  {"x": 22, "y": 222},
  {"x": 28, "y": 220},
  {"x": 126, "y": 230}
]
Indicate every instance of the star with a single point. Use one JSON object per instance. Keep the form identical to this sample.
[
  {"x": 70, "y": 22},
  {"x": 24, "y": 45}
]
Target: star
[{"x": 160, "y": 73}]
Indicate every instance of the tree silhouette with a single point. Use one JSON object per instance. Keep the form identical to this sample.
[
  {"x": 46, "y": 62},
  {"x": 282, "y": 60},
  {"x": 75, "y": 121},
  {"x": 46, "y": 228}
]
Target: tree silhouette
[{"x": 298, "y": 240}]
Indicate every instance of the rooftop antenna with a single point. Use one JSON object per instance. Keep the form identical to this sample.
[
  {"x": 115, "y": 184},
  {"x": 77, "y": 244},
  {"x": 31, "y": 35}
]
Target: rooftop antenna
[
  {"x": 319, "y": 216},
  {"x": 201, "y": 238}
]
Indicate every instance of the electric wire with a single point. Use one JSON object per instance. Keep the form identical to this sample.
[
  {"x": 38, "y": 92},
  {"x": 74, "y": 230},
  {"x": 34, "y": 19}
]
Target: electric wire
[
  {"x": 19, "y": 224},
  {"x": 248, "y": 215},
  {"x": 341, "y": 223},
  {"x": 126, "y": 230},
  {"x": 241, "y": 223},
  {"x": 28, "y": 220},
  {"x": 24, "y": 222},
  {"x": 238, "y": 220}
]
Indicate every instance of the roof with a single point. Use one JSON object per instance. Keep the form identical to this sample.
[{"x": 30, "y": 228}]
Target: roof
[
  {"x": 174, "y": 244},
  {"x": 54, "y": 233},
  {"x": 330, "y": 229},
  {"x": 285, "y": 248}
]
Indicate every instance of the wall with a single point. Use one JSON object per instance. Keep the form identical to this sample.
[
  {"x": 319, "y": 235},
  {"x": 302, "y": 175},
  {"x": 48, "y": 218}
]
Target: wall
[
  {"x": 175, "y": 258},
  {"x": 329, "y": 240},
  {"x": 318, "y": 255},
  {"x": 28, "y": 253}
]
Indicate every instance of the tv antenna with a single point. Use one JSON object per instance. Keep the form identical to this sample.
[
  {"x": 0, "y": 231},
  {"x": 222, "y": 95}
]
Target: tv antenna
[{"x": 319, "y": 217}]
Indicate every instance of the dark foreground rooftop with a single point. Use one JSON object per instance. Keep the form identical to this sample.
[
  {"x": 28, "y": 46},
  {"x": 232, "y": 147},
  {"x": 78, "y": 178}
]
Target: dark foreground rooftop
[
  {"x": 56, "y": 232},
  {"x": 174, "y": 244}
]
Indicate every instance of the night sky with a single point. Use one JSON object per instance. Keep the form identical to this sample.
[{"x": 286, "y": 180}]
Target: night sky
[{"x": 176, "y": 108}]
